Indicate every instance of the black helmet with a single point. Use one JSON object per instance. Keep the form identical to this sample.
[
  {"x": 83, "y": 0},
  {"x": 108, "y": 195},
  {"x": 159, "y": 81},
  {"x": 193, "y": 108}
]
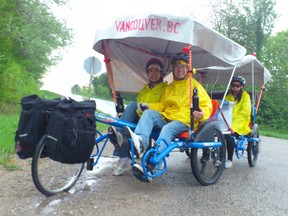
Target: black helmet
[
  {"x": 240, "y": 79},
  {"x": 154, "y": 62},
  {"x": 180, "y": 57}
]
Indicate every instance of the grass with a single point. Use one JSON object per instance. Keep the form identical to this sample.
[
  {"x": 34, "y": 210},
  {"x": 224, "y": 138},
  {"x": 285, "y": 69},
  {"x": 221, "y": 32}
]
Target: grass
[
  {"x": 275, "y": 134},
  {"x": 8, "y": 128}
]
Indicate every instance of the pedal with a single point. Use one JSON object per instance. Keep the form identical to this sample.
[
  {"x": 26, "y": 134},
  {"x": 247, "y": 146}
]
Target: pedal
[{"x": 218, "y": 163}]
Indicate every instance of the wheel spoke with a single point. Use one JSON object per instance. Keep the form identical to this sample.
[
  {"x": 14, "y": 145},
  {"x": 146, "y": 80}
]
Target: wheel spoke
[
  {"x": 51, "y": 177},
  {"x": 207, "y": 164}
]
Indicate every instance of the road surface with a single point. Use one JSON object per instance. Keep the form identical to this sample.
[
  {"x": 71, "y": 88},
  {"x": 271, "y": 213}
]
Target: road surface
[{"x": 261, "y": 190}]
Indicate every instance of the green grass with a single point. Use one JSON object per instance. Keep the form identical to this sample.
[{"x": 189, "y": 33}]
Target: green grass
[
  {"x": 102, "y": 127},
  {"x": 9, "y": 118},
  {"x": 8, "y": 127},
  {"x": 50, "y": 95},
  {"x": 275, "y": 134}
]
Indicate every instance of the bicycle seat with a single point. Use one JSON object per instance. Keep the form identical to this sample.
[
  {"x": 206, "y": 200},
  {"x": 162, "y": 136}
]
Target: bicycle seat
[{"x": 183, "y": 135}]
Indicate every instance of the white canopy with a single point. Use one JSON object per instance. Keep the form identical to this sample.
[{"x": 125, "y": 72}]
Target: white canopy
[
  {"x": 248, "y": 66},
  {"x": 129, "y": 42}
]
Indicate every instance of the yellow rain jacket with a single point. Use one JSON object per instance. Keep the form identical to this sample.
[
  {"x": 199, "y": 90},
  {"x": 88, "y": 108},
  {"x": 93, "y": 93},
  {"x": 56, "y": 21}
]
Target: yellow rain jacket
[
  {"x": 153, "y": 95},
  {"x": 175, "y": 102},
  {"x": 241, "y": 114}
]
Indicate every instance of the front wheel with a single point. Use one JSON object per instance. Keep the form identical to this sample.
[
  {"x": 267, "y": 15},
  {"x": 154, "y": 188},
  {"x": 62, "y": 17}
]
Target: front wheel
[
  {"x": 51, "y": 177},
  {"x": 207, "y": 164},
  {"x": 253, "y": 147}
]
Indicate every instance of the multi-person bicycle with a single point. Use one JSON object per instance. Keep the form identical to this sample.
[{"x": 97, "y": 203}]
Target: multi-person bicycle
[
  {"x": 126, "y": 45},
  {"x": 256, "y": 76}
]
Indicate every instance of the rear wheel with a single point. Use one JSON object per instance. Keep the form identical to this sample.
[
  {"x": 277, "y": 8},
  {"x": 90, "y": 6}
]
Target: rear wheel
[
  {"x": 253, "y": 147},
  {"x": 207, "y": 164},
  {"x": 51, "y": 177}
]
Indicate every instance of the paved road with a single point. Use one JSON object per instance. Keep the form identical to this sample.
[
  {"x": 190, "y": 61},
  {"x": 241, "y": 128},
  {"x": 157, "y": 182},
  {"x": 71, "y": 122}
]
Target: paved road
[{"x": 261, "y": 190}]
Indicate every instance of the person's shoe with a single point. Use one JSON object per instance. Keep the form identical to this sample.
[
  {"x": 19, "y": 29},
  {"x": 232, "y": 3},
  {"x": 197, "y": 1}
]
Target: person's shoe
[
  {"x": 137, "y": 141},
  {"x": 139, "y": 174},
  {"x": 228, "y": 164},
  {"x": 120, "y": 169},
  {"x": 115, "y": 137}
]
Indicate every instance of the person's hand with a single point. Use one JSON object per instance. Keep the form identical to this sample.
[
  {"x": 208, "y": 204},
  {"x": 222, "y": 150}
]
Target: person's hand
[
  {"x": 198, "y": 114},
  {"x": 142, "y": 106},
  {"x": 119, "y": 115}
]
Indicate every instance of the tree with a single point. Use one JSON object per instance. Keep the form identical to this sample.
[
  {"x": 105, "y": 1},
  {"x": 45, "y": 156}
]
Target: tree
[
  {"x": 101, "y": 86},
  {"x": 102, "y": 89},
  {"x": 274, "y": 109},
  {"x": 29, "y": 35},
  {"x": 249, "y": 23},
  {"x": 76, "y": 89}
]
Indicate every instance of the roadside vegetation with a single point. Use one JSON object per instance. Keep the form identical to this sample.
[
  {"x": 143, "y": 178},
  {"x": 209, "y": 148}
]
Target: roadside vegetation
[
  {"x": 274, "y": 134},
  {"x": 9, "y": 123}
]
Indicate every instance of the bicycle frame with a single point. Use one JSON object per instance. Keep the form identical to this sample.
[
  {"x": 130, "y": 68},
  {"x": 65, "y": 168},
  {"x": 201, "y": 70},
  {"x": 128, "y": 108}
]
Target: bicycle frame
[
  {"x": 181, "y": 143},
  {"x": 241, "y": 143},
  {"x": 104, "y": 137}
]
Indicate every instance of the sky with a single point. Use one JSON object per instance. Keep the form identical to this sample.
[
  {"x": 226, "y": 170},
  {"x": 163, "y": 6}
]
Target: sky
[{"x": 85, "y": 16}]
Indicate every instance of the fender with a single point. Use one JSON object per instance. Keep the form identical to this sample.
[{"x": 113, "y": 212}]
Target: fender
[{"x": 206, "y": 133}]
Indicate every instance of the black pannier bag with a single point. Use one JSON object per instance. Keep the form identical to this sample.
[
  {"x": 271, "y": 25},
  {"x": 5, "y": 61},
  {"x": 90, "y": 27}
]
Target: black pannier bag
[
  {"x": 70, "y": 135},
  {"x": 32, "y": 123}
]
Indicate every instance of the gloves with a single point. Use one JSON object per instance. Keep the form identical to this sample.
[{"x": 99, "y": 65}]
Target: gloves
[{"x": 142, "y": 106}]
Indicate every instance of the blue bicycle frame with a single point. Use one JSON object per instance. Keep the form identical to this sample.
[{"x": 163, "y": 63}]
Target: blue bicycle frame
[
  {"x": 241, "y": 143},
  {"x": 104, "y": 137},
  {"x": 181, "y": 143}
]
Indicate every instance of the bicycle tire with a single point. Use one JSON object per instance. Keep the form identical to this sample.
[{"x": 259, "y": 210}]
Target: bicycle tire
[
  {"x": 51, "y": 177},
  {"x": 253, "y": 147},
  {"x": 208, "y": 167}
]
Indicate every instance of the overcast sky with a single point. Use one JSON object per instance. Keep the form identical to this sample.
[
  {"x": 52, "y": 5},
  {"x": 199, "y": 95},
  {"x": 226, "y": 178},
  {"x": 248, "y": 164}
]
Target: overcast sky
[{"x": 86, "y": 15}]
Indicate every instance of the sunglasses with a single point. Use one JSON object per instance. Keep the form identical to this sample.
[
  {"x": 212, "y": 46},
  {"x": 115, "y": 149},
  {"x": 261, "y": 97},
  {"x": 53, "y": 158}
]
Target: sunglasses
[{"x": 235, "y": 85}]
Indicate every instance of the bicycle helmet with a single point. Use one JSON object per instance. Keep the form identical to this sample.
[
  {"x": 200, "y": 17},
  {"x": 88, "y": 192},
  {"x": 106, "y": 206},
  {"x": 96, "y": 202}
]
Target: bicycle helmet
[
  {"x": 239, "y": 79},
  {"x": 179, "y": 57},
  {"x": 154, "y": 62}
]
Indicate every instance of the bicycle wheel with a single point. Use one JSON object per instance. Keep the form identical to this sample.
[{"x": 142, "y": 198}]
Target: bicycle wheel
[
  {"x": 253, "y": 147},
  {"x": 207, "y": 164},
  {"x": 51, "y": 177}
]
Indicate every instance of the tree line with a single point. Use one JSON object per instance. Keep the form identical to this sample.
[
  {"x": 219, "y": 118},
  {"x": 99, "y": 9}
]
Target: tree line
[
  {"x": 250, "y": 23},
  {"x": 100, "y": 89},
  {"x": 30, "y": 36}
]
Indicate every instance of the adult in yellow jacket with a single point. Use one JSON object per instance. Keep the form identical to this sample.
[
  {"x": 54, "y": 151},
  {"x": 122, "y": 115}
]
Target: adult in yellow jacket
[
  {"x": 172, "y": 113},
  {"x": 150, "y": 93},
  {"x": 240, "y": 115}
]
